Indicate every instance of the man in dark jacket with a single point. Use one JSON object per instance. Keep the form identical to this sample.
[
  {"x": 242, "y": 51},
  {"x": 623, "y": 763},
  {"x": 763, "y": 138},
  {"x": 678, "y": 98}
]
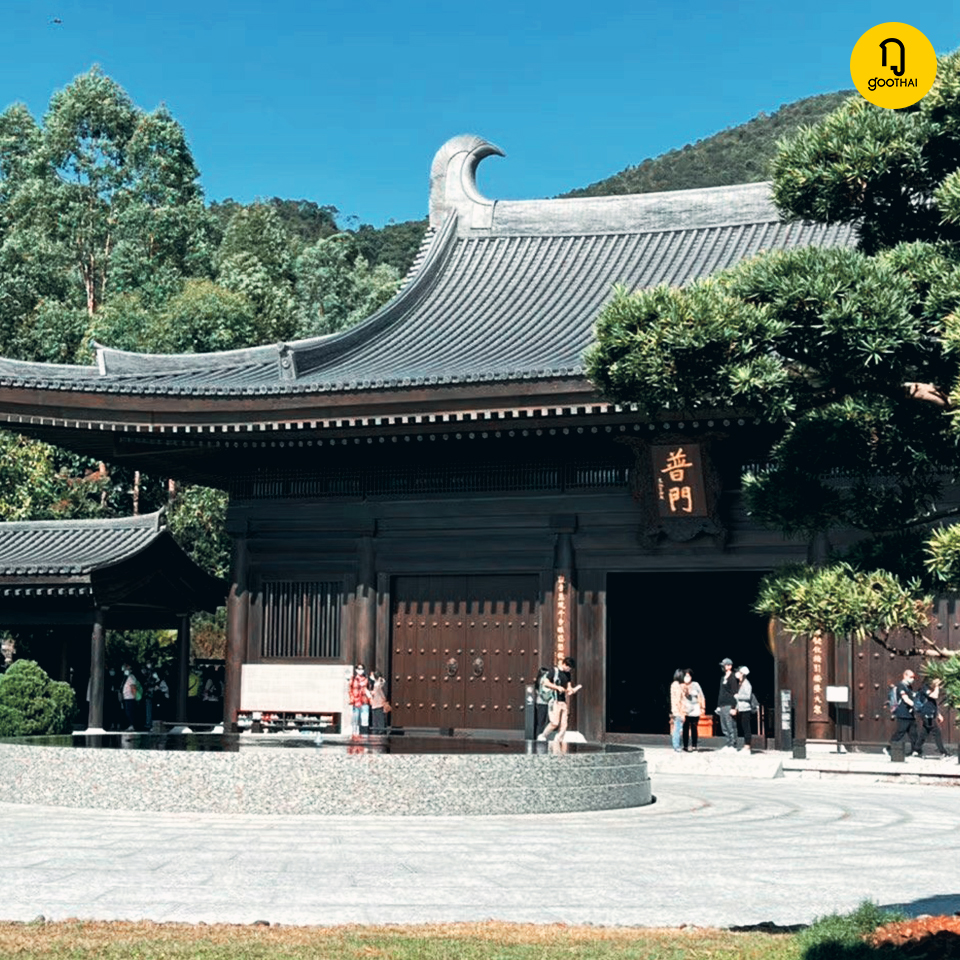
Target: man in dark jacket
[
  {"x": 727, "y": 701},
  {"x": 903, "y": 714}
]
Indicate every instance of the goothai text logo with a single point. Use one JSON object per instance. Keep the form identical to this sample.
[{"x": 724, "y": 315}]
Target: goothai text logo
[{"x": 893, "y": 65}]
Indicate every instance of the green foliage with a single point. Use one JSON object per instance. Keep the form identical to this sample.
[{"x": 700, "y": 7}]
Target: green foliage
[
  {"x": 891, "y": 171},
  {"x": 201, "y": 317},
  {"x": 740, "y": 154},
  {"x": 143, "y": 650},
  {"x": 31, "y": 704},
  {"x": 842, "y": 600},
  {"x": 101, "y": 200},
  {"x": 943, "y": 557},
  {"x": 196, "y": 520},
  {"x": 820, "y": 342},
  {"x": 336, "y": 288},
  {"x": 947, "y": 669},
  {"x": 304, "y": 220},
  {"x": 842, "y": 935},
  {"x": 256, "y": 260},
  {"x": 41, "y": 482},
  {"x": 395, "y": 245}
]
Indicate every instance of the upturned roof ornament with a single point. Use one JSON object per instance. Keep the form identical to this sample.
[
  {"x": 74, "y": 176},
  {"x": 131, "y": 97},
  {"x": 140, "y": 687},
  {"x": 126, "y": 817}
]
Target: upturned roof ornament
[{"x": 453, "y": 182}]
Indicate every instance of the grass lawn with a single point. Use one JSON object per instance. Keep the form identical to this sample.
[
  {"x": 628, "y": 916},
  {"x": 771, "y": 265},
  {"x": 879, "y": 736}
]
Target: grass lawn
[{"x": 76, "y": 940}]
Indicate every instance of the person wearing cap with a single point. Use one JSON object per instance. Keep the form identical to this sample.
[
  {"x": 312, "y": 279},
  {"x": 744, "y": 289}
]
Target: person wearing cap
[
  {"x": 727, "y": 705},
  {"x": 744, "y": 710},
  {"x": 359, "y": 697}
]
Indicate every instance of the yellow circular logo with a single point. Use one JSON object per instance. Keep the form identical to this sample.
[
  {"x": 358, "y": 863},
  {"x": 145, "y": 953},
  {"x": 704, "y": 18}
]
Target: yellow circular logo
[{"x": 893, "y": 65}]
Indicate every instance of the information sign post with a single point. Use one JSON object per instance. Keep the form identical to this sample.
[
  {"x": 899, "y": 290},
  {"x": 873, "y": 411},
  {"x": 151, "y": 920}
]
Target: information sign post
[{"x": 840, "y": 698}]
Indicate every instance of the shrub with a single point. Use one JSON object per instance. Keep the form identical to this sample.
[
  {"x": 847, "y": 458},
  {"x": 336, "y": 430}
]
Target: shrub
[
  {"x": 836, "y": 935},
  {"x": 32, "y": 704}
]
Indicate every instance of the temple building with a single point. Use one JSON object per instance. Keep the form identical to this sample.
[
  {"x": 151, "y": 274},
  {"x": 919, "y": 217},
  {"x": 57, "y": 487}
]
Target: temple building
[{"x": 440, "y": 492}]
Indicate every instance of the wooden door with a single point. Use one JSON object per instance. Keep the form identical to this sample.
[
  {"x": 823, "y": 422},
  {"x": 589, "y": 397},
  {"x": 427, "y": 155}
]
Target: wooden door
[{"x": 463, "y": 649}]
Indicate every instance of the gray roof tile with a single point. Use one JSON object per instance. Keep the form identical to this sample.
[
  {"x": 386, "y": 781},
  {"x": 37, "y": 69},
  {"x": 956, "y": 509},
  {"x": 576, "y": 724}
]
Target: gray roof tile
[
  {"x": 502, "y": 291},
  {"x": 44, "y": 548}
]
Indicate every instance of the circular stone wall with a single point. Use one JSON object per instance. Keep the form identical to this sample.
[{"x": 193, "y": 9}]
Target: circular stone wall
[{"x": 330, "y": 779}]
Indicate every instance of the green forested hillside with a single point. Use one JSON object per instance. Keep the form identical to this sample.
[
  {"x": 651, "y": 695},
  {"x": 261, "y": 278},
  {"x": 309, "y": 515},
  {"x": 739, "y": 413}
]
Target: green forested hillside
[{"x": 738, "y": 154}]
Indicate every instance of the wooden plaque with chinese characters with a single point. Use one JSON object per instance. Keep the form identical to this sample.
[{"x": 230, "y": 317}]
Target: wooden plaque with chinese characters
[{"x": 678, "y": 476}]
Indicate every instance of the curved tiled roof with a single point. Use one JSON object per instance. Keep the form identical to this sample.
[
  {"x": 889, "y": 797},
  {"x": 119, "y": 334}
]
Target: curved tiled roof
[
  {"x": 504, "y": 291},
  {"x": 44, "y": 548}
]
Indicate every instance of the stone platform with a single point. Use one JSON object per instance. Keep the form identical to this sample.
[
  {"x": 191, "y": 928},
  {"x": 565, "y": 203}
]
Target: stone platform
[{"x": 243, "y": 775}]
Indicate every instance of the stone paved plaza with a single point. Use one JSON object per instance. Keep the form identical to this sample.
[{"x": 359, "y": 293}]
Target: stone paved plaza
[{"x": 713, "y": 850}]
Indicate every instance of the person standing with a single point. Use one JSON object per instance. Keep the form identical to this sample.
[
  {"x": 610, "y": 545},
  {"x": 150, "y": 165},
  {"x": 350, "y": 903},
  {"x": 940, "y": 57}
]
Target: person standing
[
  {"x": 676, "y": 710},
  {"x": 130, "y": 693},
  {"x": 694, "y": 705},
  {"x": 906, "y": 722},
  {"x": 378, "y": 699},
  {"x": 359, "y": 700},
  {"x": 927, "y": 711},
  {"x": 744, "y": 709},
  {"x": 727, "y": 705}
]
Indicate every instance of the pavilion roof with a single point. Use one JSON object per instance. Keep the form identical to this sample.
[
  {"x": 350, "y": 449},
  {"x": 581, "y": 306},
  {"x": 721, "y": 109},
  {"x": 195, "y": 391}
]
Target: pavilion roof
[
  {"x": 502, "y": 291},
  {"x": 132, "y": 564},
  {"x": 45, "y": 548}
]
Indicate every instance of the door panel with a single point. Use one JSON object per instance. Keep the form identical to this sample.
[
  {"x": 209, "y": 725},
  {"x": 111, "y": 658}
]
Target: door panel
[{"x": 463, "y": 648}]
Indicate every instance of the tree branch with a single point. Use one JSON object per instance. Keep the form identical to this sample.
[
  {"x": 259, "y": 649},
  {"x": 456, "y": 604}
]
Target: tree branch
[
  {"x": 928, "y": 651},
  {"x": 927, "y": 391}
]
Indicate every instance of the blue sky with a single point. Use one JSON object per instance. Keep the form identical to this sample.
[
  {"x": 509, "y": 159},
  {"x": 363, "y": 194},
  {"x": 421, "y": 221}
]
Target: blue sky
[{"x": 345, "y": 103}]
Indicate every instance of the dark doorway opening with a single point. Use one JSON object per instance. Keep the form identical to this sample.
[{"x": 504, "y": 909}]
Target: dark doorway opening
[{"x": 659, "y": 622}]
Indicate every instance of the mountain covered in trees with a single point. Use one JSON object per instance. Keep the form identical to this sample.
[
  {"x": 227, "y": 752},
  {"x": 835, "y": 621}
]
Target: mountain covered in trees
[{"x": 741, "y": 154}]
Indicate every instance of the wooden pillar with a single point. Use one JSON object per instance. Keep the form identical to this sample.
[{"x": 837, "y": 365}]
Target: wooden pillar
[
  {"x": 591, "y": 646},
  {"x": 820, "y": 674},
  {"x": 183, "y": 672},
  {"x": 366, "y": 600},
  {"x": 98, "y": 649},
  {"x": 383, "y": 660},
  {"x": 238, "y": 604}
]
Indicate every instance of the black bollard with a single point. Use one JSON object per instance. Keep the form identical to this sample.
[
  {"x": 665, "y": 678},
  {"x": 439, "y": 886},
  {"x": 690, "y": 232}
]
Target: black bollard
[{"x": 529, "y": 714}]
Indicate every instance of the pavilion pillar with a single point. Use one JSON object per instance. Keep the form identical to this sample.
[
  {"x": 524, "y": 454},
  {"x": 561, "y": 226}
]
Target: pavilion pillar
[
  {"x": 238, "y": 607},
  {"x": 366, "y": 646},
  {"x": 98, "y": 656},
  {"x": 590, "y": 702},
  {"x": 183, "y": 672}
]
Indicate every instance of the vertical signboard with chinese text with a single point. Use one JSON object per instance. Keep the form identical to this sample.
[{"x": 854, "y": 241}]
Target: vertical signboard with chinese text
[{"x": 678, "y": 475}]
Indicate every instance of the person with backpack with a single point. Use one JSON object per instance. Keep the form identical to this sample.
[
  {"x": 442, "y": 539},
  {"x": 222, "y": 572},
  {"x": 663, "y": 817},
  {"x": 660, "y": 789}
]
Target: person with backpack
[
  {"x": 544, "y": 697},
  {"x": 906, "y": 722},
  {"x": 559, "y": 680},
  {"x": 926, "y": 708}
]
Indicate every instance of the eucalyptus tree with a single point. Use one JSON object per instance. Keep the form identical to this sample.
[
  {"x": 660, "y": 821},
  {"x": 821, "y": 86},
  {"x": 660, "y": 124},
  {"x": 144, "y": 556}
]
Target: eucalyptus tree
[{"x": 101, "y": 198}]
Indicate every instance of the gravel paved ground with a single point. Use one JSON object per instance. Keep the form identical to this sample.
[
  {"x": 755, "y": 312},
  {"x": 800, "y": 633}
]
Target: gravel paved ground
[{"x": 713, "y": 850}]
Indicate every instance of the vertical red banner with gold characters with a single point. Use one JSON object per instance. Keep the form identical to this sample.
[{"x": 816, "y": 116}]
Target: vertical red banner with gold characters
[
  {"x": 820, "y": 676},
  {"x": 562, "y": 618}
]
